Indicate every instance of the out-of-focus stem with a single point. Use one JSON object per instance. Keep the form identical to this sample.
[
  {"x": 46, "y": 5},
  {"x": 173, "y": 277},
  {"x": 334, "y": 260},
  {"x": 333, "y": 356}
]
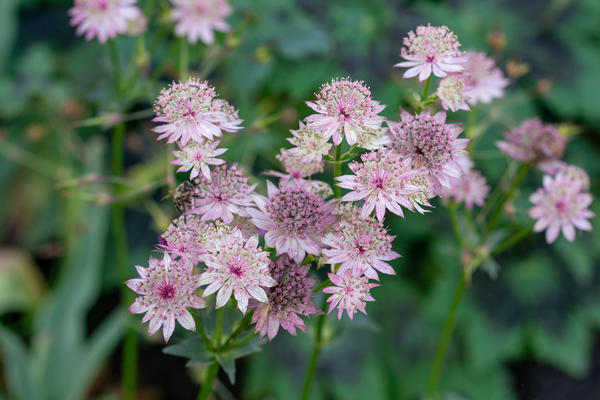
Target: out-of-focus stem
[
  {"x": 521, "y": 173},
  {"x": 426, "y": 89},
  {"x": 337, "y": 171},
  {"x": 207, "y": 385},
  {"x": 184, "y": 59},
  {"x": 116, "y": 66}
]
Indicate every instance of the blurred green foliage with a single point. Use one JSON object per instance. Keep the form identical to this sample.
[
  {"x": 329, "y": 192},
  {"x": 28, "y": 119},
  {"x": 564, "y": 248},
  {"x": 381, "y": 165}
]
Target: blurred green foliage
[{"x": 544, "y": 303}]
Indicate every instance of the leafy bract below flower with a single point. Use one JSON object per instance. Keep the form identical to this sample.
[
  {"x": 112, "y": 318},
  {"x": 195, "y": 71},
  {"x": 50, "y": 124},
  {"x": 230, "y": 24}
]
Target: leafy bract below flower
[
  {"x": 534, "y": 142},
  {"x": 430, "y": 144},
  {"x": 167, "y": 289},
  {"x": 432, "y": 49},
  {"x": 350, "y": 292},
  {"x": 344, "y": 107},
  {"x": 237, "y": 266},
  {"x": 190, "y": 111},
  {"x": 289, "y": 299},
  {"x": 483, "y": 80},
  {"x": 361, "y": 245},
  {"x": 197, "y": 157},
  {"x": 294, "y": 219},
  {"x": 451, "y": 92},
  {"x": 226, "y": 193},
  {"x": 104, "y": 19},
  {"x": 382, "y": 180},
  {"x": 560, "y": 205},
  {"x": 471, "y": 188},
  {"x": 198, "y": 19},
  {"x": 311, "y": 145}
]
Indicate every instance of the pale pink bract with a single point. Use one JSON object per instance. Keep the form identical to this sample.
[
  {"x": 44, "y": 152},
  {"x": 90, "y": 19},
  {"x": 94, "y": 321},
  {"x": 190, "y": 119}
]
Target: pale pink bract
[
  {"x": 288, "y": 300},
  {"x": 344, "y": 107},
  {"x": 167, "y": 288},
  {"x": 198, "y": 19},
  {"x": 104, "y": 19},
  {"x": 349, "y": 293},
  {"x": 432, "y": 49}
]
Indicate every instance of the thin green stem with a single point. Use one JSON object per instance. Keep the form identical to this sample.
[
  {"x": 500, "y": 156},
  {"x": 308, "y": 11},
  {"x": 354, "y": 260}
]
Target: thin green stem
[
  {"x": 207, "y": 385},
  {"x": 130, "y": 344},
  {"x": 521, "y": 173},
  {"x": 426, "y": 89},
  {"x": 242, "y": 326},
  {"x": 511, "y": 241},
  {"x": 219, "y": 328},
  {"x": 452, "y": 206},
  {"x": 314, "y": 357},
  {"x": 440, "y": 354},
  {"x": 322, "y": 286},
  {"x": 337, "y": 171},
  {"x": 184, "y": 59},
  {"x": 116, "y": 66}
]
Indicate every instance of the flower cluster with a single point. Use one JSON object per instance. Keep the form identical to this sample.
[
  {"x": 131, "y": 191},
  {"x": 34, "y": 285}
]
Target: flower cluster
[
  {"x": 198, "y": 19},
  {"x": 104, "y": 19}
]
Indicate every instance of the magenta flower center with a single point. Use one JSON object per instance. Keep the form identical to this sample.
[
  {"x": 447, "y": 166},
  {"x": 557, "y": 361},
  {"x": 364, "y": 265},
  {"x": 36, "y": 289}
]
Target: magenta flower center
[
  {"x": 561, "y": 206},
  {"x": 237, "y": 265},
  {"x": 166, "y": 290}
]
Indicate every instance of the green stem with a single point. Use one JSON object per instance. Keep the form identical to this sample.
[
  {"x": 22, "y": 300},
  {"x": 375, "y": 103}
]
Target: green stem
[
  {"x": 440, "y": 354},
  {"x": 184, "y": 59},
  {"x": 314, "y": 357},
  {"x": 116, "y": 66},
  {"x": 337, "y": 171},
  {"x": 211, "y": 374},
  {"x": 455, "y": 226},
  {"x": 424, "y": 95},
  {"x": 219, "y": 328},
  {"x": 521, "y": 173},
  {"x": 130, "y": 344},
  {"x": 511, "y": 241},
  {"x": 322, "y": 286},
  {"x": 242, "y": 326}
]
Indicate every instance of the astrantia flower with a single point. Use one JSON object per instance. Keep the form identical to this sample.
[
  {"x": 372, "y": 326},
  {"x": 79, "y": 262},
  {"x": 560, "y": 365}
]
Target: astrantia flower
[
  {"x": 197, "y": 156},
  {"x": 471, "y": 188},
  {"x": 430, "y": 144},
  {"x": 226, "y": 193},
  {"x": 431, "y": 49},
  {"x": 167, "y": 290},
  {"x": 190, "y": 111},
  {"x": 382, "y": 181},
  {"x": 289, "y": 299},
  {"x": 483, "y": 80},
  {"x": 560, "y": 205},
  {"x": 344, "y": 107},
  {"x": 361, "y": 245},
  {"x": 310, "y": 144},
  {"x": 104, "y": 19},
  {"x": 240, "y": 267},
  {"x": 576, "y": 176},
  {"x": 350, "y": 292},
  {"x": 451, "y": 92},
  {"x": 534, "y": 142},
  {"x": 184, "y": 237},
  {"x": 373, "y": 139},
  {"x": 294, "y": 219},
  {"x": 198, "y": 19},
  {"x": 297, "y": 169}
]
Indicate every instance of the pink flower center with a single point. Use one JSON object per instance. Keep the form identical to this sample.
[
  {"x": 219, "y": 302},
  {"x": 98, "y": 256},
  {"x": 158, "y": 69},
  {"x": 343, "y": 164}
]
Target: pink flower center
[
  {"x": 561, "y": 206},
  {"x": 166, "y": 290},
  {"x": 102, "y": 5},
  {"x": 237, "y": 265}
]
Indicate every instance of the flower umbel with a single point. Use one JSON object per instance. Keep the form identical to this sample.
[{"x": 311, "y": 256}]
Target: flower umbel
[
  {"x": 190, "y": 111},
  {"x": 451, "y": 92},
  {"x": 344, "y": 107},
  {"x": 432, "y": 49},
  {"x": 483, "y": 80},
  {"x": 238, "y": 266},
  {"x": 471, "y": 188},
  {"x": 290, "y": 298},
  {"x": 104, "y": 19},
  {"x": 167, "y": 290},
  {"x": 294, "y": 219},
  {"x": 197, "y": 156},
  {"x": 349, "y": 293},
  {"x": 198, "y": 19}
]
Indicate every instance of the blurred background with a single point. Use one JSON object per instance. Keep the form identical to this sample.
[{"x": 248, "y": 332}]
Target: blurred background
[{"x": 528, "y": 327}]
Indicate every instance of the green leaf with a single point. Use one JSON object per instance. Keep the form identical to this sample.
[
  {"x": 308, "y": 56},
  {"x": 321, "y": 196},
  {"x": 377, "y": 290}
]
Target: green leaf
[
  {"x": 193, "y": 348},
  {"x": 17, "y": 367},
  {"x": 227, "y": 362},
  {"x": 227, "y": 358}
]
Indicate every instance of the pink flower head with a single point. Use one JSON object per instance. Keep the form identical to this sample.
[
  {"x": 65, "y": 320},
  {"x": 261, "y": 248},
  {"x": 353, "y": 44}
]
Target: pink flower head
[
  {"x": 289, "y": 299},
  {"x": 198, "y": 19},
  {"x": 431, "y": 144},
  {"x": 197, "y": 156},
  {"x": 183, "y": 238},
  {"x": 431, "y": 49},
  {"x": 577, "y": 177},
  {"x": 534, "y": 142},
  {"x": 237, "y": 266},
  {"x": 471, "y": 188},
  {"x": 294, "y": 219},
  {"x": 104, "y": 19},
  {"x": 483, "y": 80},
  {"x": 350, "y": 292},
  {"x": 382, "y": 180},
  {"x": 190, "y": 111},
  {"x": 451, "y": 92},
  {"x": 344, "y": 107},
  {"x": 167, "y": 290},
  {"x": 361, "y": 245},
  {"x": 560, "y": 205},
  {"x": 297, "y": 169},
  {"x": 226, "y": 193},
  {"x": 311, "y": 145}
]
